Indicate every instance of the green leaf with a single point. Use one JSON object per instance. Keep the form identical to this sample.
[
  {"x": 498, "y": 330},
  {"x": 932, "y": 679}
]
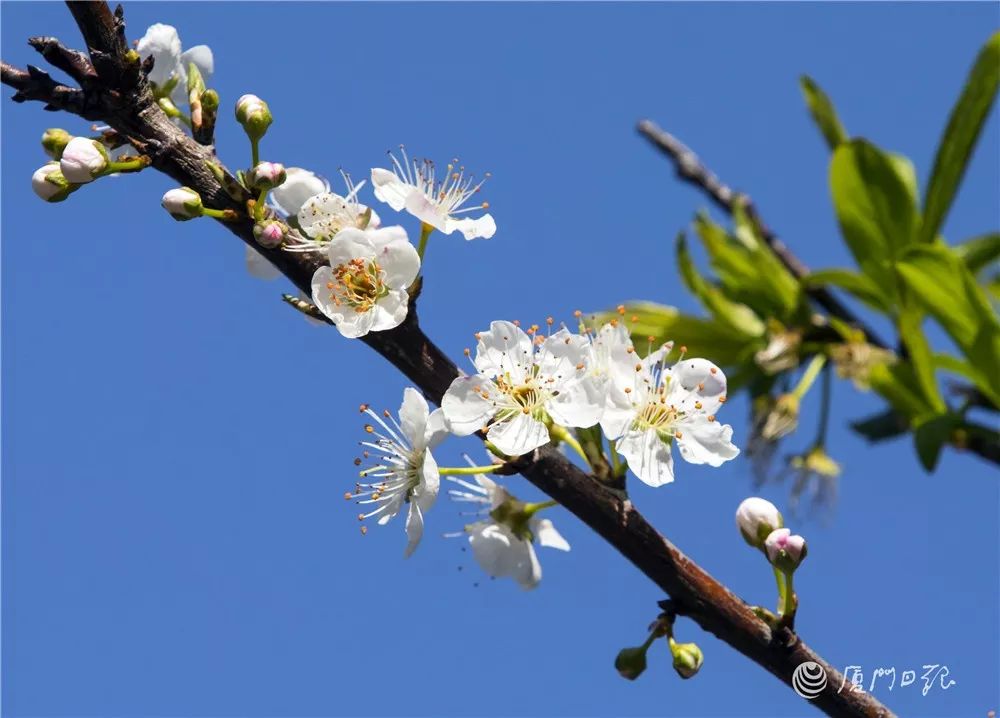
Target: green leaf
[
  {"x": 875, "y": 207},
  {"x": 858, "y": 285},
  {"x": 946, "y": 289},
  {"x": 979, "y": 252},
  {"x": 920, "y": 357},
  {"x": 954, "y": 365},
  {"x": 823, "y": 113},
  {"x": 931, "y": 435},
  {"x": 960, "y": 136},
  {"x": 898, "y": 385},
  {"x": 879, "y": 427},
  {"x": 739, "y": 316}
]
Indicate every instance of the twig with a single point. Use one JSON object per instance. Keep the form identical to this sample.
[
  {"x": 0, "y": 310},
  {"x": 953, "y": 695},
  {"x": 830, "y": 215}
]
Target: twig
[
  {"x": 691, "y": 169},
  {"x": 129, "y": 108}
]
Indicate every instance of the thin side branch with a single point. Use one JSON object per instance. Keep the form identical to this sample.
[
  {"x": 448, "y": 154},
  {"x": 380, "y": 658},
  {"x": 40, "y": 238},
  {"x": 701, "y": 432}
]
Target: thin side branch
[
  {"x": 690, "y": 169},
  {"x": 130, "y": 110}
]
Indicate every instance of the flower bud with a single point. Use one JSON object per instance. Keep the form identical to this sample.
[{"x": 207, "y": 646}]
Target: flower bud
[
  {"x": 270, "y": 233},
  {"x": 49, "y": 184},
  {"x": 631, "y": 662},
  {"x": 83, "y": 159},
  {"x": 54, "y": 141},
  {"x": 785, "y": 550},
  {"x": 183, "y": 203},
  {"x": 687, "y": 658},
  {"x": 254, "y": 114},
  {"x": 756, "y": 518},
  {"x": 266, "y": 175},
  {"x": 783, "y": 418}
]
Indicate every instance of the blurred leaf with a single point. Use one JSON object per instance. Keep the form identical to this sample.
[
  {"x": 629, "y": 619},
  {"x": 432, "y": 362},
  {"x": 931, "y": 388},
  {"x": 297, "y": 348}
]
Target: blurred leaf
[
  {"x": 823, "y": 112},
  {"x": 750, "y": 274},
  {"x": 920, "y": 357},
  {"x": 943, "y": 285},
  {"x": 898, "y": 385},
  {"x": 908, "y": 174},
  {"x": 931, "y": 435},
  {"x": 960, "y": 137},
  {"x": 979, "y": 252},
  {"x": 858, "y": 285},
  {"x": 739, "y": 316},
  {"x": 953, "y": 364},
  {"x": 887, "y": 425},
  {"x": 875, "y": 208}
]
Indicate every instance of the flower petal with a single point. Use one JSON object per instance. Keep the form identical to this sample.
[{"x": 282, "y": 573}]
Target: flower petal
[
  {"x": 648, "y": 456},
  {"x": 426, "y": 211},
  {"x": 201, "y": 56},
  {"x": 413, "y": 413},
  {"x": 618, "y": 413},
  {"x": 437, "y": 429},
  {"x": 351, "y": 243},
  {"x": 299, "y": 185},
  {"x": 504, "y": 349},
  {"x": 579, "y": 403},
  {"x": 163, "y": 44},
  {"x": 697, "y": 381},
  {"x": 390, "y": 311},
  {"x": 484, "y": 227},
  {"x": 323, "y": 215},
  {"x": 464, "y": 406},
  {"x": 518, "y": 435},
  {"x": 546, "y": 535},
  {"x": 398, "y": 259},
  {"x": 528, "y": 572},
  {"x": 414, "y": 529},
  {"x": 706, "y": 442},
  {"x": 389, "y": 188}
]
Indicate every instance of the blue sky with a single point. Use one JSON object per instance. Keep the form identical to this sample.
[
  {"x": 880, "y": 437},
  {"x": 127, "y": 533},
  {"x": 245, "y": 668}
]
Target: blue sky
[{"x": 176, "y": 441}]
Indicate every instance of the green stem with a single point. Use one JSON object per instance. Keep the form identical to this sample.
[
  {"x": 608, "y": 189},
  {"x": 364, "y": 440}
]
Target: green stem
[
  {"x": 224, "y": 214},
  {"x": 812, "y": 371},
  {"x": 468, "y": 470},
  {"x": 616, "y": 462},
  {"x": 824, "y": 408},
  {"x": 532, "y": 509},
  {"x": 779, "y": 579},
  {"x": 258, "y": 208},
  {"x": 788, "y": 604},
  {"x": 132, "y": 165},
  {"x": 254, "y": 152},
  {"x": 425, "y": 233},
  {"x": 560, "y": 433}
]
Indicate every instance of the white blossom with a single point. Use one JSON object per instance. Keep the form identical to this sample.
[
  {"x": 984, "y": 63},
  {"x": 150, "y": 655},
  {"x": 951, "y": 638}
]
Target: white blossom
[
  {"x": 299, "y": 185},
  {"x": 502, "y": 543},
  {"x": 164, "y": 45},
  {"x": 405, "y": 472},
  {"x": 413, "y": 186},
  {"x": 323, "y": 215},
  {"x": 364, "y": 288},
  {"x": 521, "y": 385},
  {"x": 83, "y": 159},
  {"x": 652, "y": 406}
]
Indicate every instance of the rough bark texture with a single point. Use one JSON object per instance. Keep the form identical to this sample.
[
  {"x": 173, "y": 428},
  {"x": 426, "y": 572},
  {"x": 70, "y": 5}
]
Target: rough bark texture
[{"x": 114, "y": 90}]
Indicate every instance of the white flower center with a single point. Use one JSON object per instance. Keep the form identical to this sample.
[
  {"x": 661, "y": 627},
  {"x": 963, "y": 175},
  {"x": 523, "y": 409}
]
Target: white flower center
[{"x": 358, "y": 284}]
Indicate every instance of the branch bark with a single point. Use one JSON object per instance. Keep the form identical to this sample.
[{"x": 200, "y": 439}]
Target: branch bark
[{"x": 123, "y": 100}]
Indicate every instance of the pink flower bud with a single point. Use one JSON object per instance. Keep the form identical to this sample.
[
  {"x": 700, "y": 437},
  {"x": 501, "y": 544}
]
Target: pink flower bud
[
  {"x": 756, "y": 518},
  {"x": 82, "y": 160},
  {"x": 266, "y": 175},
  {"x": 785, "y": 549},
  {"x": 269, "y": 234}
]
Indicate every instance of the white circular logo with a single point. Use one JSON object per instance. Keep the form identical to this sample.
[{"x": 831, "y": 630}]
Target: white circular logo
[{"x": 809, "y": 679}]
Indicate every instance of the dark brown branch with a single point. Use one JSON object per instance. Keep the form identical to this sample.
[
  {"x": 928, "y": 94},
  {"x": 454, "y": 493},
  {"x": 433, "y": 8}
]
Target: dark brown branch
[
  {"x": 690, "y": 169},
  {"x": 35, "y": 84},
  {"x": 73, "y": 62},
  {"x": 129, "y": 108}
]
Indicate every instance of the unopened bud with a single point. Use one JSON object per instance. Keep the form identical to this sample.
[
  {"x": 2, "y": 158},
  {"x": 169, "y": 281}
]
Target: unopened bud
[
  {"x": 49, "y": 184},
  {"x": 785, "y": 550},
  {"x": 83, "y": 159},
  {"x": 270, "y": 233},
  {"x": 210, "y": 100},
  {"x": 54, "y": 141},
  {"x": 756, "y": 518},
  {"x": 687, "y": 658},
  {"x": 254, "y": 114},
  {"x": 631, "y": 662},
  {"x": 183, "y": 203},
  {"x": 266, "y": 175}
]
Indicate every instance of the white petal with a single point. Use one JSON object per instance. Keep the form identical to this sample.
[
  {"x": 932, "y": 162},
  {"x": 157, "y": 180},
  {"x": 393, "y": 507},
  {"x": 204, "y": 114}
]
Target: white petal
[
  {"x": 162, "y": 43},
  {"x": 352, "y": 324},
  {"x": 697, "y": 380},
  {"x": 494, "y": 548},
  {"x": 560, "y": 354},
  {"x": 390, "y": 311},
  {"x": 426, "y": 211},
  {"x": 484, "y": 227},
  {"x": 389, "y": 188},
  {"x": 528, "y": 572},
  {"x": 579, "y": 403},
  {"x": 299, "y": 185},
  {"x": 382, "y": 236},
  {"x": 413, "y": 413},
  {"x": 426, "y": 492},
  {"x": 201, "y": 56},
  {"x": 351, "y": 243},
  {"x": 546, "y": 535},
  {"x": 706, "y": 442},
  {"x": 648, "y": 456},
  {"x": 518, "y": 435},
  {"x": 465, "y": 409},
  {"x": 618, "y": 413},
  {"x": 437, "y": 429},
  {"x": 260, "y": 267},
  {"x": 323, "y": 215},
  {"x": 414, "y": 528},
  {"x": 504, "y": 349},
  {"x": 398, "y": 259}
]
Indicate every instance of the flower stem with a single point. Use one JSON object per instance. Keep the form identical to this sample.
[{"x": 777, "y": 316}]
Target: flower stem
[
  {"x": 560, "y": 433},
  {"x": 258, "y": 209},
  {"x": 824, "y": 409},
  {"x": 812, "y": 371},
  {"x": 616, "y": 462},
  {"x": 132, "y": 165},
  {"x": 787, "y": 607},
  {"x": 425, "y": 233},
  {"x": 532, "y": 509},
  {"x": 254, "y": 152},
  {"x": 468, "y": 470},
  {"x": 779, "y": 579},
  {"x": 224, "y": 214}
]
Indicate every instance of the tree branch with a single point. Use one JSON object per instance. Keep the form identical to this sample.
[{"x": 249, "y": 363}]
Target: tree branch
[
  {"x": 690, "y": 169},
  {"x": 128, "y": 107}
]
